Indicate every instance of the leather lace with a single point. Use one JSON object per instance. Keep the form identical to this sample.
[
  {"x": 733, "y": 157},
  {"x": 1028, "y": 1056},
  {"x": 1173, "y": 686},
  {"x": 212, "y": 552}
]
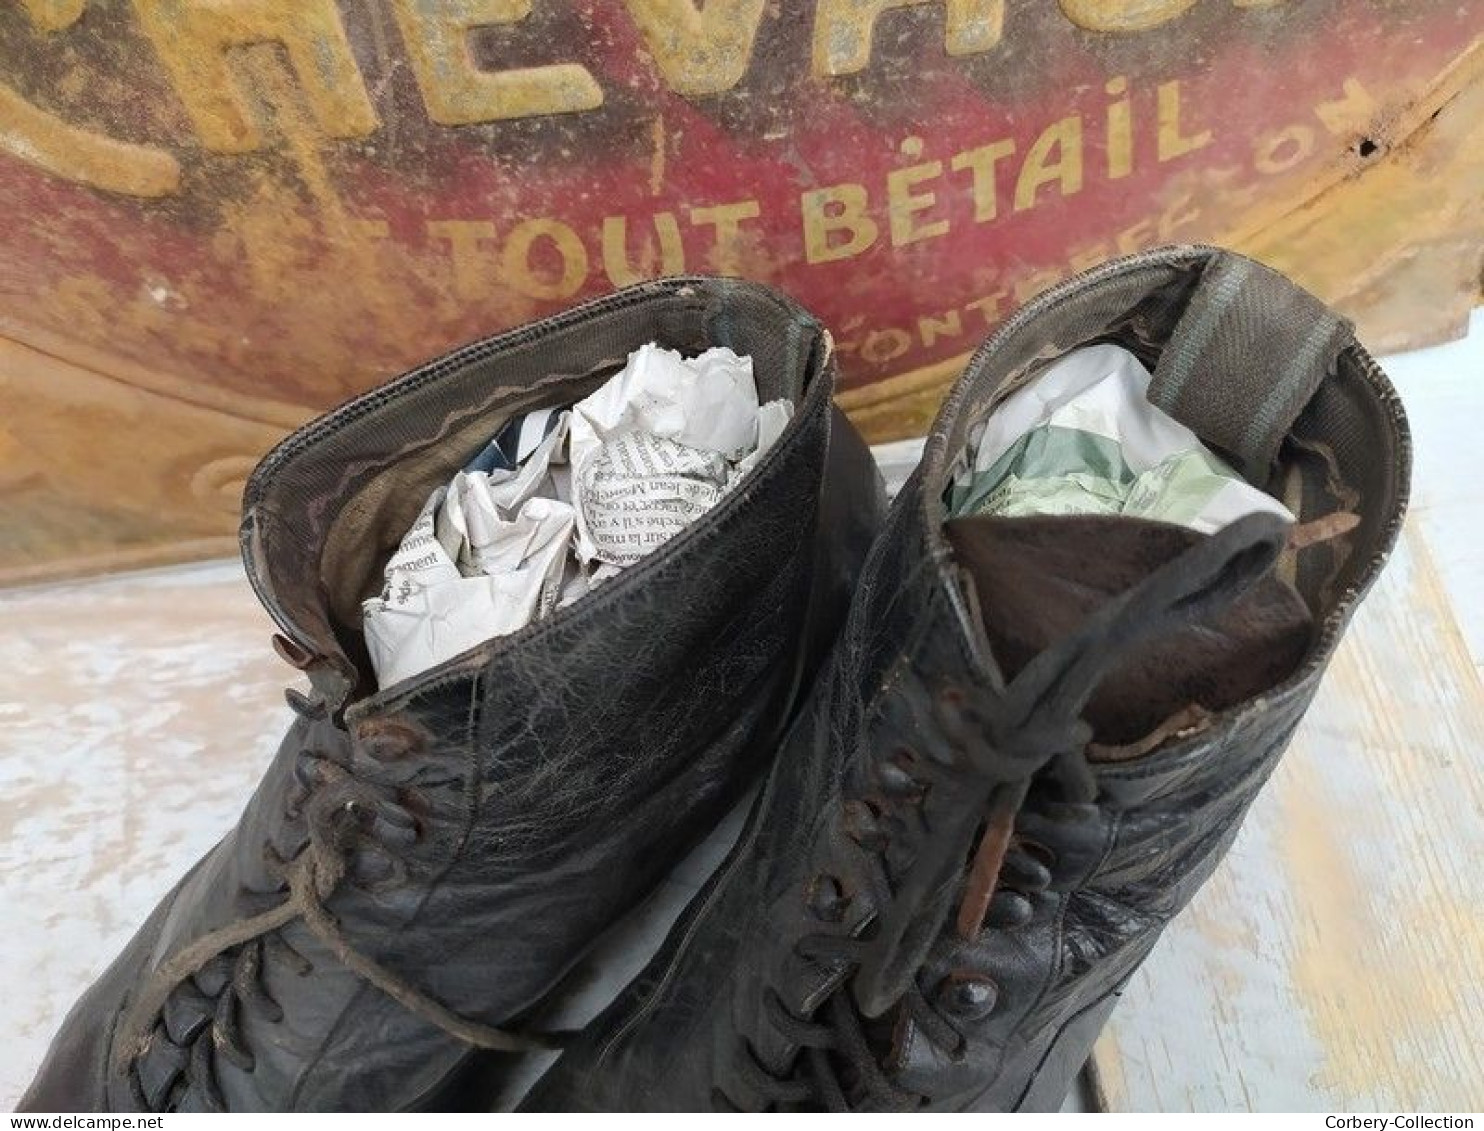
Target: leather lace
[
  {"x": 189, "y": 1010},
  {"x": 1031, "y": 733}
]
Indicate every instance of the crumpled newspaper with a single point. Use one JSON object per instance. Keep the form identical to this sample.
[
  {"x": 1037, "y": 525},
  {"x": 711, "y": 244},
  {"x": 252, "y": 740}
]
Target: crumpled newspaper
[
  {"x": 657, "y": 446},
  {"x": 1082, "y": 438},
  {"x": 560, "y": 500}
]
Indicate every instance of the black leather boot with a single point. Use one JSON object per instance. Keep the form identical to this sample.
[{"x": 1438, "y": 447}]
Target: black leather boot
[
  {"x": 422, "y": 864},
  {"x": 1036, "y": 737}
]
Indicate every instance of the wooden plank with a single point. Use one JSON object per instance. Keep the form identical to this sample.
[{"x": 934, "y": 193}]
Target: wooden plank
[{"x": 138, "y": 715}]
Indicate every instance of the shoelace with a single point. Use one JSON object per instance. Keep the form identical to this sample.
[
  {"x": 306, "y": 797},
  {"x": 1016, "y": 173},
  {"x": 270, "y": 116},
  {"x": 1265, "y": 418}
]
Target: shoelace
[
  {"x": 1032, "y": 732},
  {"x": 174, "y": 1016}
]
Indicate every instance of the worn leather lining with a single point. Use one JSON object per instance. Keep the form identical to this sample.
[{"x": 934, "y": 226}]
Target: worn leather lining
[
  {"x": 368, "y": 529},
  {"x": 1038, "y": 578}
]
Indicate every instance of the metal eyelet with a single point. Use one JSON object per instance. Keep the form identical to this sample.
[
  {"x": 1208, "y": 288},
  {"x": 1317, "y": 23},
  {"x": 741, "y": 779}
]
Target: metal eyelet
[
  {"x": 1009, "y": 909},
  {"x": 896, "y": 781},
  {"x": 969, "y": 997},
  {"x": 826, "y": 898}
]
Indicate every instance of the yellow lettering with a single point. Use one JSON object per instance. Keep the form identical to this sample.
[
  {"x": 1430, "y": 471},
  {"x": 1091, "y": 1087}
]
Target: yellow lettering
[
  {"x": 885, "y": 345},
  {"x": 368, "y": 228},
  {"x": 727, "y": 220},
  {"x": 1120, "y": 148},
  {"x": 89, "y": 158},
  {"x": 1089, "y": 257},
  {"x": 1123, "y": 15},
  {"x": 192, "y": 40},
  {"x": 470, "y": 280},
  {"x": 982, "y": 164},
  {"x": 930, "y": 327},
  {"x": 903, "y": 205},
  {"x": 990, "y": 307},
  {"x": 1353, "y": 112},
  {"x": 1172, "y": 141},
  {"x": 518, "y": 270},
  {"x": 1056, "y": 156},
  {"x": 1283, "y": 149},
  {"x": 1181, "y": 213},
  {"x": 843, "y": 30},
  {"x": 621, "y": 271},
  {"x": 838, "y": 208},
  {"x": 699, "y": 50},
  {"x": 1136, "y": 237},
  {"x": 1029, "y": 286},
  {"x": 435, "y": 34}
]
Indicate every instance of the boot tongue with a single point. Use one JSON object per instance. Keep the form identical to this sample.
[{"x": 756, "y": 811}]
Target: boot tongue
[{"x": 1038, "y": 578}]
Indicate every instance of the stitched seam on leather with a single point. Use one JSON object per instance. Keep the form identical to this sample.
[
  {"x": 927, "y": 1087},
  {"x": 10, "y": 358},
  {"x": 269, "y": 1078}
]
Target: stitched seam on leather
[{"x": 706, "y": 289}]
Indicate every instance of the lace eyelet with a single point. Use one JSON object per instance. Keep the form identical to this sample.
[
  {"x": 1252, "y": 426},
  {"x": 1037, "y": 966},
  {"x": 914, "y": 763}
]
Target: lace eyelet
[
  {"x": 826, "y": 898},
  {"x": 291, "y": 653},
  {"x": 375, "y": 872},
  {"x": 1040, "y": 853},
  {"x": 1009, "y": 909},
  {"x": 306, "y": 772},
  {"x": 1023, "y": 872},
  {"x": 958, "y": 709},
  {"x": 952, "y": 696},
  {"x": 968, "y": 997},
  {"x": 897, "y": 782},
  {"x": 273, "y": 862}
]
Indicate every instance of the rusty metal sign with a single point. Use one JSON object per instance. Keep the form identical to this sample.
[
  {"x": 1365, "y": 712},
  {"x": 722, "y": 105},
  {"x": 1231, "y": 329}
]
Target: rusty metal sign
[{"x": 258, "y": 207}]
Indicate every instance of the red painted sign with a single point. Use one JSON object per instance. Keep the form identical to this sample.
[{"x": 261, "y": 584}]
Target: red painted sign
[{"x": 284, "y": 200}]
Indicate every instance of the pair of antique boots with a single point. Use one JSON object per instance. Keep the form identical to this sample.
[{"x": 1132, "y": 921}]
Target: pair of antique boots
[{"x": 991, "y": 757}]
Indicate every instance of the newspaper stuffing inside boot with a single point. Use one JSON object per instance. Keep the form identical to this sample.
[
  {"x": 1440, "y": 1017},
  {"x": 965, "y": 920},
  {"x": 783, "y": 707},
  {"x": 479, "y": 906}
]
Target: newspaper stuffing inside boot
[
  {"x": 560, "y": 500},
  {"x": 1082, "y": 438}
]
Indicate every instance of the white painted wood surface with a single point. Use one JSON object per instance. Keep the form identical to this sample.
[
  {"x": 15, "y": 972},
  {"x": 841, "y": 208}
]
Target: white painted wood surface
[
  {"x": 136, "y": 716},
  {"x": 1335, "y": 962}
]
